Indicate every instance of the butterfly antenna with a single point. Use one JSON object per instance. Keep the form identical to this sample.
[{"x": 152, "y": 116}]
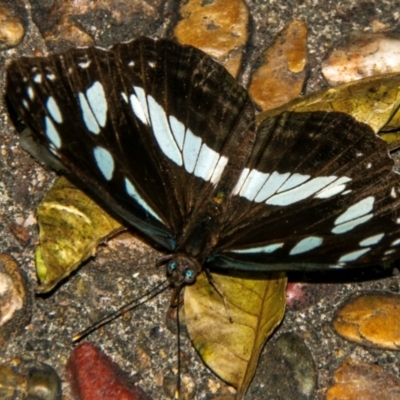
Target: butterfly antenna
[{"x": 127, "y": 307}]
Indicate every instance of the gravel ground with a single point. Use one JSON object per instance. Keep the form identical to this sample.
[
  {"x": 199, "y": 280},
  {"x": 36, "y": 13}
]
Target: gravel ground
[{"x": 143, "y": 345}]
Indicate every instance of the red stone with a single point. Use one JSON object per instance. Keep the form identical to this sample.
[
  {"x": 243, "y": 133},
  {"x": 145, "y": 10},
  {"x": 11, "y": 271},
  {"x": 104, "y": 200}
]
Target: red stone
[{"x": 94, "y": 376}]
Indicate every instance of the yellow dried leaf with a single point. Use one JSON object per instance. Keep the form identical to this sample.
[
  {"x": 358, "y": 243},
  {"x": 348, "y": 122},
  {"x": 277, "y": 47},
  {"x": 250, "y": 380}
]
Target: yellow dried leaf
[
  {"x": 230, "y": 339},
  {"x": 71, "y": 227},
  {"x": 373, "y": 101}
]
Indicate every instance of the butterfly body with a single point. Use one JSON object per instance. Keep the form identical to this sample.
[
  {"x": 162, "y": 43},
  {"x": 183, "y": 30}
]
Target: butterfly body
[{"x": 166, "y": 139}]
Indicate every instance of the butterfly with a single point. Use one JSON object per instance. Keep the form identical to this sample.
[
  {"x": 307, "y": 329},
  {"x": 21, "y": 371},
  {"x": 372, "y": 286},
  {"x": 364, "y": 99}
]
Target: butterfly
[{"x": 165, "y": 138}]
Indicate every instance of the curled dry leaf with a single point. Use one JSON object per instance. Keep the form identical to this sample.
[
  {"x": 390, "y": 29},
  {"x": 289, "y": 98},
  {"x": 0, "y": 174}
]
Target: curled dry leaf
[
  {"x": 71, "y": 227},
  {"x": 373, "y": 101},
  {"x": 230, "y": 331}
]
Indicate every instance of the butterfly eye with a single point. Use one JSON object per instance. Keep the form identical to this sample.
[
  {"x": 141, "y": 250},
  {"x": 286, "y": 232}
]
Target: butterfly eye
[
  {"x": 189, "y": 276},
  {"x": 171, "y": 266}
]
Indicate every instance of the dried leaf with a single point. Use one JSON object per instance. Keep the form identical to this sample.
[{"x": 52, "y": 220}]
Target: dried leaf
[
  {"x": 71, "y": 227},
  {"x": 231, "y": 347},
  {"x": 373, "y": 101}
]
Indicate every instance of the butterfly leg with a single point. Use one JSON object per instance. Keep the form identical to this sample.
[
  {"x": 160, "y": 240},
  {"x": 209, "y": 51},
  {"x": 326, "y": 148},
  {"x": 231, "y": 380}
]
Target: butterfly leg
[
  {"x": 176, "y": 299},
  {"x": 216, "y": 288}
]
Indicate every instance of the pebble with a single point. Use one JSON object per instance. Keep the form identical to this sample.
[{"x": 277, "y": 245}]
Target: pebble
[
  {"x": 219, "y": 28},
  {"x": 286, "y": 370},
  {"x": 24, "y": 378},
  {"x": 20, "y": 232},
  {"x": 94, "y": 376},
  {"x": 16, "y": 299},
  {"x": 282, "y": 74},
  {"x": 356, "y": 380},
  {"x": 12, "y": 29},
  {"x": 361, "y": 55},
  {"x": 187, "y": 389},
  {"x": 68, "y": 33},
  {"x": 370, "y": 319}
]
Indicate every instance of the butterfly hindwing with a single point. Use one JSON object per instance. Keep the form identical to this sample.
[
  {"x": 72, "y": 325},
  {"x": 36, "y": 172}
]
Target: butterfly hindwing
[{"x": 319, "y": 191}]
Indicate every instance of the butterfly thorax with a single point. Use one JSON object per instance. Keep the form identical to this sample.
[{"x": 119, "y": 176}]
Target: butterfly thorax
[{"x": 192, "y": 250}]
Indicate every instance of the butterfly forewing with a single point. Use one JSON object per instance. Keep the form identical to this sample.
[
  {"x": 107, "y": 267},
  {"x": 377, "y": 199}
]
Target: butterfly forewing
[
  {"x": 130, "y": 124},
  {"x": 164, "y": 136},
  {"x": 319, "y": 190}
]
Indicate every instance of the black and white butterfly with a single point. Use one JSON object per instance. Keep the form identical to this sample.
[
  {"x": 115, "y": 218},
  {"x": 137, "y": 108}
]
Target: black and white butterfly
[{"x": 167, "y": 139}]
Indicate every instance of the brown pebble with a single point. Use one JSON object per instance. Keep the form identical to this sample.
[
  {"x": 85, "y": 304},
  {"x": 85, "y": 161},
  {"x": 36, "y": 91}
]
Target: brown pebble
[
  {"x": 219, "y": 28},
  {"x": 281, "y": 77},
  {"x": 143, "y": 357},
  {"x": 12, "y": 30},
  {"x": 20, "y": 233},
  {"x": 357, "y": 380},
  {"x": 371, "y": 319},
  {"x": 70, "y": 34}
]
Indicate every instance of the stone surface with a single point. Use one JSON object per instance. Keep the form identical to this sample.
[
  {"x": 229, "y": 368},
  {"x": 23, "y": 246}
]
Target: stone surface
[
  {"x": 85, "y": 23},
  {"x": 301, "y": 295}
]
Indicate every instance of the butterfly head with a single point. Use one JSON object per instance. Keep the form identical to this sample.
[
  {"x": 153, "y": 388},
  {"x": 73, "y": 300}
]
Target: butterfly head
[{"x": 182, "y": 270}]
